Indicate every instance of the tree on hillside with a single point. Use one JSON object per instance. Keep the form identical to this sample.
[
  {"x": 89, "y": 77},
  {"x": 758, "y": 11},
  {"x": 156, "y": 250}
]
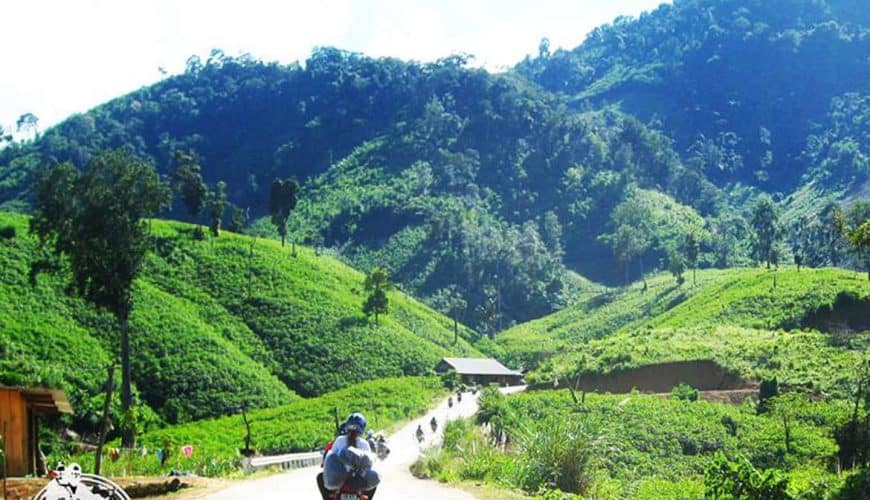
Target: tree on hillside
[
  {"x": 788, "y": 408},
  {"x": 377, "y": 284},
  {"x": 728, "y": 239},
  {"x": 831, "y": 232},
  {"x": 216, "y": 205},
  {"x": 774, "y": 259},
  {"x": 4, "y": 136},
  {"x": 187, "y": 181},
  {"x": 632, "y": 237},
  {"x": 238, "y": 218},
  {"x": 765, "y": 230},
  {"x": 676, "y": 265},
  {"x": 857, "y": 231},
  {"x": 95, "y": 220},
  {"x": 27, "y": 124},
  {"x": 450, "y": 302},
  {"x": 860, "y": 240},
  {"x": 692, "y": 249},
  {"x": 797, "y": 240},
  {"x": 282, "y": 201}
]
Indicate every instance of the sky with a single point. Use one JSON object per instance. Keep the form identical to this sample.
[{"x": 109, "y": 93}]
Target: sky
[{"x": 66, "y": 56}]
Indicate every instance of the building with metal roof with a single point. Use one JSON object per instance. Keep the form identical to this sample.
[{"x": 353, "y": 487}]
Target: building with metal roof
[{"x": 481, "y": 371}]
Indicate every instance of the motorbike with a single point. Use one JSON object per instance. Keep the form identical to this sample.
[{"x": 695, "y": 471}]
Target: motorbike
[
  {"x": 378, "y": 445},
  {"x": 381, "y": 449},
  {"x": 348, "y": 493}
]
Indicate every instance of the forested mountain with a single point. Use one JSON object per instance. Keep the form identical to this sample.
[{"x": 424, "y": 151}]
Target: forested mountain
[
  {"x": 479, "y": 191},
  {"x": 764, "y": 92}
]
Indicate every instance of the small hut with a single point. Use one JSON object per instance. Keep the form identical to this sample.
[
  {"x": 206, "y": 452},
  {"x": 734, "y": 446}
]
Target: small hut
[
  {"x": 481, "y": 371},
  {"x": 19, "y": 425}
]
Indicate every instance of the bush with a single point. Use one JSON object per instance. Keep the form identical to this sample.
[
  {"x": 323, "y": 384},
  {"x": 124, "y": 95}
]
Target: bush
[
  {"x": 451, "y": 380},
  {"x": 769, "y": 389},
  {"x": 557, "y": 452},
  {"x": 857, "y": 486},
  {"x": 684, "y": 392},
  {"x": 726, "y": 479},
  {"x": 7, "y": 232}
]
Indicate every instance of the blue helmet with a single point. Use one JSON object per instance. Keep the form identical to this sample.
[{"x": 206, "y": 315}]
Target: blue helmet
[{"x": 356, "y": 422}]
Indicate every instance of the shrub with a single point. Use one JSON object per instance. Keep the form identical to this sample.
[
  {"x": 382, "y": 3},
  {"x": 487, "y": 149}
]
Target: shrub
[
  {"x": 856, "y": 487},
  {"x": 451, "y": 380},
  {"x": 7, "y": 232},
  {"x": 557, "y": 452},
  {"x": 769, "y": 389},
  {"x": 684, "y": 392},
  {"x": 738, "y": 479}
]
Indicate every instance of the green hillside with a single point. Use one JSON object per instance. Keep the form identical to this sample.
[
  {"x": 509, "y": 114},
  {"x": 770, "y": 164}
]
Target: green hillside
[
  {"x": 299, "y": 426},
  {"x": 732, "y": 316},
  {"x": 217, "y": 323}
]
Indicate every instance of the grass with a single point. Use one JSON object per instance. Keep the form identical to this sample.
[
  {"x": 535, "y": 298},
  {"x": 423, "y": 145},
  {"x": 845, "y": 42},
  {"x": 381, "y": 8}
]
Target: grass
[
  {"x": 303, "y": 425},
  {"x": 217, "y": 324},
  {"x": 733, "y": 316}
]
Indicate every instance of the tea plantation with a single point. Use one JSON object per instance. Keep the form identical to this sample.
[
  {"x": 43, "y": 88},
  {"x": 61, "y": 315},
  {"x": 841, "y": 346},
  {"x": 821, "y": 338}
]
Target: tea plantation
[{"x": 217, "y": 323}]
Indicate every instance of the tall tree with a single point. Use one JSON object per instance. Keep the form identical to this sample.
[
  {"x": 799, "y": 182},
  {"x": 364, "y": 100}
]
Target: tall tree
[
  {"x": 859, "y": 237},
  {"x": 282, "y": 201},
  {"x": 832, "y": 232},
  {"x": 96, "y": 220},
  {"x": 632, "y": 237},
  {"x": 187, "y": 181},
  {"x": 692, "y": 249},
  {"x": 216, "y": 205},
  {"x": 238, "y": 218},
  {"x": 676, "y": 265},
  {"x": 377, "y": 283},
  {"x": 27, "y": 124},
  {"x": 450, "y": 302},
  {"x": 765, "y": 228}
]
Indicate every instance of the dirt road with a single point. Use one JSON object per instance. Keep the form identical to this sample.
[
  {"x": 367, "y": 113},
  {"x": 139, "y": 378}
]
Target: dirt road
[{"x": 397, "y": 483}]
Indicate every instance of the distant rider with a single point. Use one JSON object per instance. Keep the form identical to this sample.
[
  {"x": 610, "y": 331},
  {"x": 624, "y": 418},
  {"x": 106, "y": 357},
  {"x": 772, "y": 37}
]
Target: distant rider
[
  {"x": 419, "y": 433},
  {"x": 434, "y": 424},
  {"x": 348, "y": 461}
]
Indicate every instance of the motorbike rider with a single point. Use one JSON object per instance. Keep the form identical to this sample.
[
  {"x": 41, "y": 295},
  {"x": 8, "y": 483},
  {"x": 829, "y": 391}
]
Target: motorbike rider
[
  {"x": 420, "y": 433},
  {"x": 348, "y": 461},
  {"x": 434, "y": 424}
]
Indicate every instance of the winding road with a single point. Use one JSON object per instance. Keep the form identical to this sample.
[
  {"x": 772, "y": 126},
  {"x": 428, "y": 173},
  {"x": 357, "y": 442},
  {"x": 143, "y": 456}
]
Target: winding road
[{"x": 397, "y": 482}]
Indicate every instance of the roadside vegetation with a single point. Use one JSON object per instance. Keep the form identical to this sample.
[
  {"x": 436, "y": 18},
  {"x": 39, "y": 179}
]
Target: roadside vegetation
[
  {"x": 303, "y": 425},
  {"x": 639, "y": 446}
]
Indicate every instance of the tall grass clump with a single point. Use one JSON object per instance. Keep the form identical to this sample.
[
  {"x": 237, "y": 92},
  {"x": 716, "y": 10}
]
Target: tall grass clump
[{"x": 558, "y": 453}]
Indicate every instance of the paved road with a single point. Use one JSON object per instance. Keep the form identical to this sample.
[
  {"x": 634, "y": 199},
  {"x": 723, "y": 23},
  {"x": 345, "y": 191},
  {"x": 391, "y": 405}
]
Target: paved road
[{"x": 397, "y": 483}]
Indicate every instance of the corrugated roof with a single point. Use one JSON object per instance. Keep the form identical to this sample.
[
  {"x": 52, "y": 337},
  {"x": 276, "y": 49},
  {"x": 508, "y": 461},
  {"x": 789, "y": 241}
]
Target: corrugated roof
[{"x": 479, "y": 366}]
